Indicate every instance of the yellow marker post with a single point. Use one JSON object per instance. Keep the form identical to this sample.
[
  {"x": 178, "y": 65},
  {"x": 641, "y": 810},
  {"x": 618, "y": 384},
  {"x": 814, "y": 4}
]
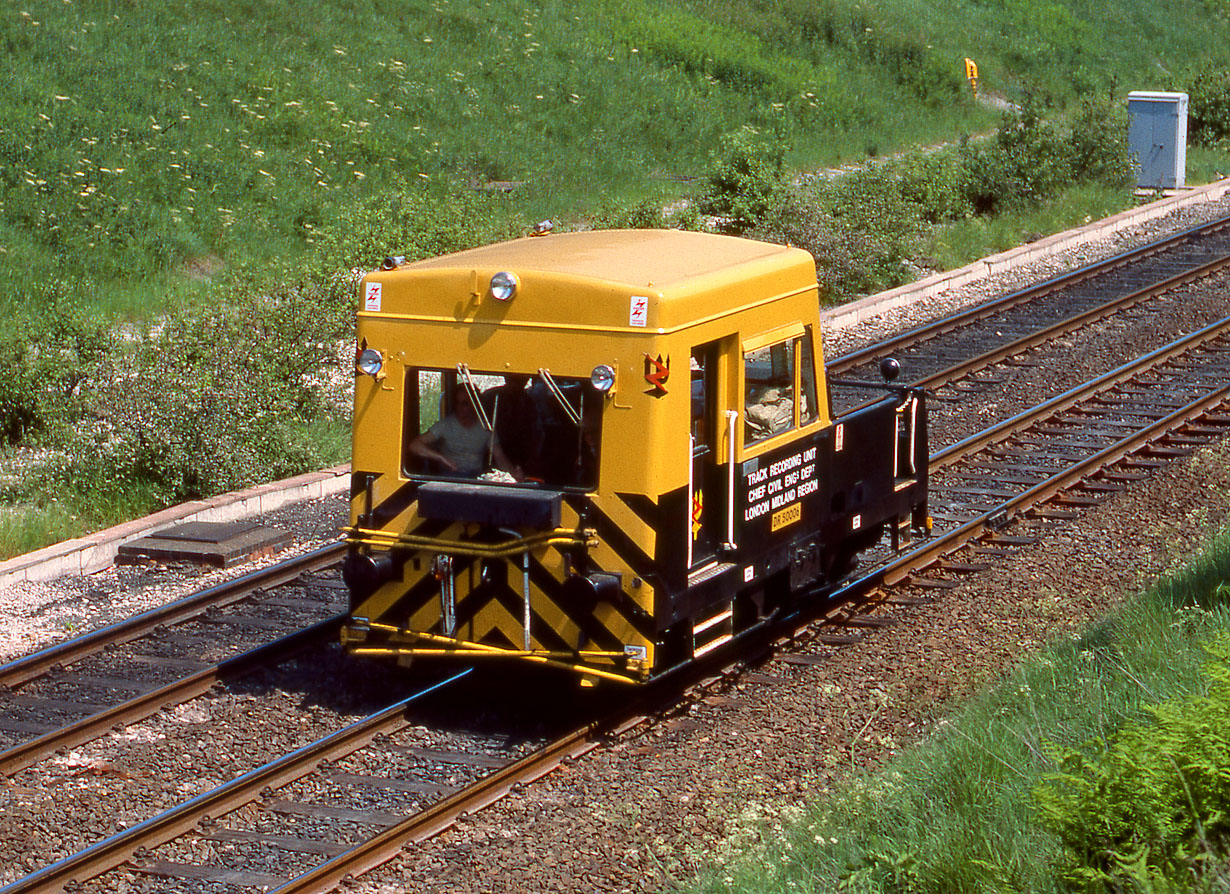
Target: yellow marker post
[{"x": 971, "y": 74}]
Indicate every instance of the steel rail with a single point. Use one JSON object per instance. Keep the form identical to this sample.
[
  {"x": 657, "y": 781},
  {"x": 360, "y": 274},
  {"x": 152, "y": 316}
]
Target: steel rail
[
  {"x": 25, "y": 754},
  {"x": 367, "y": 855},
  {"x": 123, "y": 846},
  {"x": 925, "y": 554},
  {"x": 1063, "y": 327},
  {"x": 964, "y": 317},
  {"x": 38, "y": 663},
  {"x": 1118, "y": 376}
]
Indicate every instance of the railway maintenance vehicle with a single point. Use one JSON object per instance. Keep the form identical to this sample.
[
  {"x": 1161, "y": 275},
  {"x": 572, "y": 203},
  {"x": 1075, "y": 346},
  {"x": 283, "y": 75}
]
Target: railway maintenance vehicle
[{"x": 608, "y": 451}]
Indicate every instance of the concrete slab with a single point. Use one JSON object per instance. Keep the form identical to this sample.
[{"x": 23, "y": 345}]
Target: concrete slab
[{"x": 220, "y": 544}]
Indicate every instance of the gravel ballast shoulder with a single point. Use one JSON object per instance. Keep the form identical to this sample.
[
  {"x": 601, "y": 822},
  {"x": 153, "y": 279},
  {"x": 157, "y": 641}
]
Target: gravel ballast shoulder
[{"x": 39, "y": 613}]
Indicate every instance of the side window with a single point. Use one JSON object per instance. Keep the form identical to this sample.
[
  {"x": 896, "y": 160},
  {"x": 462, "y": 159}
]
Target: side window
[
  {"x": 769, "y": 398},
  {"x": 780, "y": 388},
  {"x": 430, "y": 397},
  {"x": 808, "y": 405},
  {"x": 424, "y": 397}
]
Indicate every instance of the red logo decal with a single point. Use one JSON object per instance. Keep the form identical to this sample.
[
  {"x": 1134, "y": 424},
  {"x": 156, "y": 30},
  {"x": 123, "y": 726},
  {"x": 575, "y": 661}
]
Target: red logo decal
[{"x": 657, "y": 371}]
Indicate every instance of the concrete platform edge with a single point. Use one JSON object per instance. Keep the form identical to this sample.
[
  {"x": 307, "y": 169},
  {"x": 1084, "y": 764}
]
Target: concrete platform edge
[{"x": 96, "y": 551}]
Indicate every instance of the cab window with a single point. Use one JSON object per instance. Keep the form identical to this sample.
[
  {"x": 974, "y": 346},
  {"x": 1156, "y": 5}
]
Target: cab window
[
  {"x": 505, "y": 428},
  {"x": 809, "y": 406},
  {"x": 779, "y": 388}
]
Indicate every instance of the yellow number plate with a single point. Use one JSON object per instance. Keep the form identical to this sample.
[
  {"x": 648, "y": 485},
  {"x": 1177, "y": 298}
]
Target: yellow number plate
[{"x": 787, "y": 516}]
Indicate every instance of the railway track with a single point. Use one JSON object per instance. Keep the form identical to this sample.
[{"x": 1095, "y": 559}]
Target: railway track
[
  {"x": 72, "y": 692},
  {"x": 1068, "y": 452},
  {"x": 945, "y": 351}
]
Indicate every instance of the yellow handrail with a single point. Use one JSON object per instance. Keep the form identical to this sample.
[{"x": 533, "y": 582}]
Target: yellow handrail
[{"x": 559, "y": 536}]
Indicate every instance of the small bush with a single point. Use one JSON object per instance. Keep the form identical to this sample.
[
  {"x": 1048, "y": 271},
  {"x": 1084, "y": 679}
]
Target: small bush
[
  {"x": 213, "y": 401},
  {"x": 1148, "y": 808},
  {"x": 933, "y": 182},
  {"x": 1208, "y": 88},
  {"x": 1025, "y": 162},
  {"x": 860, "y": 228},
  {"x": 48, "y": 350},
  {"x": 1098, "y": 149},
  {"x": 215, "y": 398},
  {"x": 745, "y": 175}
]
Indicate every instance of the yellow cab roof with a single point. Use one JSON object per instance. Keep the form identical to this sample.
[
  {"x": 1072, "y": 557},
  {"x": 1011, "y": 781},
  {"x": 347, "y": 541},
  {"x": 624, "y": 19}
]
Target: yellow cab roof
[{"x": 588, "y": 279}]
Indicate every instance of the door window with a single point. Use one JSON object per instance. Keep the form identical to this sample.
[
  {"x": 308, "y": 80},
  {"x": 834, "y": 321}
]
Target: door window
[{"x": 779, "y": 388}]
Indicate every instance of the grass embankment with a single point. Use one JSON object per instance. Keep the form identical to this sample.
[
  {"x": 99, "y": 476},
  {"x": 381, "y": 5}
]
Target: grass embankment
[
  {"x": 146, "y": 146},
  {"x": 1098, "y": 765},
  {"x": 185, "y": 190}
]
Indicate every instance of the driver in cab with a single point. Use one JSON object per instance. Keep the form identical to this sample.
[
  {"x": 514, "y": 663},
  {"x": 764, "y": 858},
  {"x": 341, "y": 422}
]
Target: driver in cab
[{"x": 461, "y": 444}]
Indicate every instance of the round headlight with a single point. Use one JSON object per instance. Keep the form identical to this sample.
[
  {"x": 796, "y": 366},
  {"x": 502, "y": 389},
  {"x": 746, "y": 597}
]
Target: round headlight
[
  {"x": 503, "y": 286},
  {"x": 602, "y": 378},
  {"x": 369, "y": 362}
]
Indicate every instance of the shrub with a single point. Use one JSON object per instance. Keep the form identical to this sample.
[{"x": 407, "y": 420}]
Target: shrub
[
  {"x": 1148, "y": 808},
  {"x": 933, "y": 181},
  {"x": 863, "y": 227},
  {"x": 1098, "y": 149},
  {"x": 860, "y": 228},
  {"x": 1025, "y": 162},
  {"x": 745, "y": 174},
  {"x": 1208, "y": 88},
  {"x": 48, "y": 351},
  {"x": 216, "y": 398},
  {"x": 211, "y": 401}
]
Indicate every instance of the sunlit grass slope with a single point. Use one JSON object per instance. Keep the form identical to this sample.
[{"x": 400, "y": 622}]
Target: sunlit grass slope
[{"x": 160, "y": 141}]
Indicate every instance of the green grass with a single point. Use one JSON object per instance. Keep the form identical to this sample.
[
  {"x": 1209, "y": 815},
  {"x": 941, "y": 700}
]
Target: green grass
[
  {"x": 143, "y": 145},
  {"x": 35, "y": 521},
  {"x": 957, "y": 813},
  {"x": 1205, "y": 165},
  {"x": 42, "y": 507},
  {"x": 953, "y": 245}
]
